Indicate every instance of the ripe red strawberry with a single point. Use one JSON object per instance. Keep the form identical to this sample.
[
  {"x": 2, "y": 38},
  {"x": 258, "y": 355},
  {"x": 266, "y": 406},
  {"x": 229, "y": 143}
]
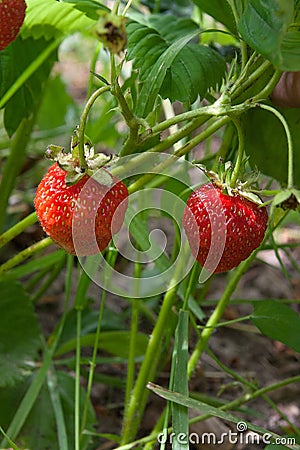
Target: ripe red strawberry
[
  {"x": 12, "y": 15},
  {"x": 239, "y": 226},
  {"x": 90, "y": 209}
]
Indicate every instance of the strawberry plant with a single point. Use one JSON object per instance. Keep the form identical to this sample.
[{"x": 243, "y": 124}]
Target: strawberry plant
[{"x": 149, "y": 215}]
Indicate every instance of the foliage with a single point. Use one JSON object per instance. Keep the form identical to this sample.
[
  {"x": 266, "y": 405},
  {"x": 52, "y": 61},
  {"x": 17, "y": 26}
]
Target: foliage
[{"x": 193, "y": 76}]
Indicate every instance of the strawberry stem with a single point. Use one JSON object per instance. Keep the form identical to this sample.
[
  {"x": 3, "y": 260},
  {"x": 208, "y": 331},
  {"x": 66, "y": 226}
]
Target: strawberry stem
[
  {"x": 17, "y": 229},
  {"x": 83, "y": 121},
  {"x": 240, "y": 153},
  {"x": 282, "y": 119},
  {"x": 24, "y": 254}
]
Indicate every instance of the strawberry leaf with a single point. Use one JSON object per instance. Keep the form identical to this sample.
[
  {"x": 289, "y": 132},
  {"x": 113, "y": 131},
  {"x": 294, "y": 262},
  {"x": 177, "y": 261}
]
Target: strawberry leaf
[
  {"x": 219, "y": 10},
  {"x": 175, "y": 67},
  {"x": 277, "y": 321},
  {"x": 19, "y": 333},
  {"x": 52, "y": 19},
  {"x": 263, "y": 25},
  {"x": 27, "y": 98}
]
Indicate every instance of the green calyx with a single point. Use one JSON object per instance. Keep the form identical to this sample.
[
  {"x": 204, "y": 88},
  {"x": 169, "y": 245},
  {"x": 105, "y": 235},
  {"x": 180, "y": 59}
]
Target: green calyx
[
  {"x": 243, "y": 186},
  {"x": 71, "y": 162}
]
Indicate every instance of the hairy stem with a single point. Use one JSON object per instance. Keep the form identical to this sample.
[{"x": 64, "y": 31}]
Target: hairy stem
[{"x": 83, "y": 121}]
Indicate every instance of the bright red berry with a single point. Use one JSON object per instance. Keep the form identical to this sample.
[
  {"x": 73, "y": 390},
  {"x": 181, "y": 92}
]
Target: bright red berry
[
  {"x": 12, "y": 15},
  {"x": 238, "y": 223},
  {"x": 94, "y": 210}
]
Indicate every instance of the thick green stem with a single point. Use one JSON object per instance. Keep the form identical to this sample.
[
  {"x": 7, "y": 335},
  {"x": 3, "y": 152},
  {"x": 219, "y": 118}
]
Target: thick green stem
[
  {"x": 20, "y": 257},
  {"x": 237, "y": 89},
  {"x": 17, "y": 229},
  {"x": 217, "y": 124},
  {"x": 148, "y": 368},
  {"x": 240, "y": 86},
  {"x": 132, "y": 122}
]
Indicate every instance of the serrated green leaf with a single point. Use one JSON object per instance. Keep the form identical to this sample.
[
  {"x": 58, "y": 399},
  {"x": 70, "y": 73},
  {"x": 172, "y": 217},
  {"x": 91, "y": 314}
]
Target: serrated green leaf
[
  {"x": 219, "y": 10},
  {"x": 26, "y": 99},
  {"x": 51, "y": 19},
  {"x": 266, "y": 143},
  {"x": 174, "y": 67},
  {"x": 277, "y": 321},
  {"x": 19, "y": 333},
  {"x": 194, "y": 70},
  {"x": 264, "y": 24}
]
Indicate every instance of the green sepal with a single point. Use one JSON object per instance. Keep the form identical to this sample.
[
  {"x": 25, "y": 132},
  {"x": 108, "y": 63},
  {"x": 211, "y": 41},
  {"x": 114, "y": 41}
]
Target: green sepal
[
  {"x": 73, "y": 177},
  {"x": 254, "y": 198},
  {"x": 288, "y": 199},
  {"x": 243, "y": 186},
  {"x": 53, "y": 151},
  {"x": 70, "y": 162}
]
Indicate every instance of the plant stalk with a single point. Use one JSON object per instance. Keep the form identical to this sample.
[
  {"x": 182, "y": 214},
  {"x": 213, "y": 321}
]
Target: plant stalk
[
  {"x": 83, "y": 122},
  {"x": 148, "y": 368},
  {"x": 29, "y": 251}
]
